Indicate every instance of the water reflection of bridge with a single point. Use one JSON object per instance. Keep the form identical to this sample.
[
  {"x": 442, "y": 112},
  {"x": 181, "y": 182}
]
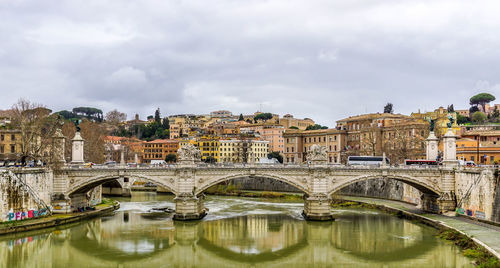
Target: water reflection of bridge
[{"x": 260, "y": 240}]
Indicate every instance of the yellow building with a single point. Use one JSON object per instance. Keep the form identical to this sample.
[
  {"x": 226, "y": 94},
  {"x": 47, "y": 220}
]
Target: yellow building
[
  {"x": 440, "y": 115},
  {"x": 10, "y": 145},
  {"x": 243, "y": 151},
  {"x": 288, "y": 121},
  {"x": 209, "y": 147}
]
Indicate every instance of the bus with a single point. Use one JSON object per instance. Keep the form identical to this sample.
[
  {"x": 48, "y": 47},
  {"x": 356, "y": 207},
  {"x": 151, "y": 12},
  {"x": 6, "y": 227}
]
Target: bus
[
  {"x": 409, "y": 162},
  {"x": 367, "y": 160}
]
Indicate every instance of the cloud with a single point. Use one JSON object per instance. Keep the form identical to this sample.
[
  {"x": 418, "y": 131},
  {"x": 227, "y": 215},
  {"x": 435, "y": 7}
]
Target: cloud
[{"x": 321, "y": 59}]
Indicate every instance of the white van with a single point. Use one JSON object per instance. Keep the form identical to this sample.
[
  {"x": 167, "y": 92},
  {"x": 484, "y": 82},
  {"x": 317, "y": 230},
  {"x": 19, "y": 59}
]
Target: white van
[{"x": 158, "y": 163}]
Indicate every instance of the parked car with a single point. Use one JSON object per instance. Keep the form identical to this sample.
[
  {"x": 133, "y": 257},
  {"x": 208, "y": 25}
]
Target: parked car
[
  {"x": 470, "y": 164},
  {"x": 110, "y": 163}
]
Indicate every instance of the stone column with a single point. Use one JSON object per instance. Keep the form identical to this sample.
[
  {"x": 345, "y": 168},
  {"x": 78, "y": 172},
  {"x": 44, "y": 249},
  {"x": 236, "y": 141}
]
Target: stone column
[
  {"x": 77, "y": 149},
  {"x": 450, "y": 149},
  {"x": 431, "y": 147},
  {"x": 122, "y": 157},
  {"x": 317, "y": 208},
  {"x": 58, "y": 147},
  {"x": 447, "y": 201},
  {"x": 189, "y": 207}
]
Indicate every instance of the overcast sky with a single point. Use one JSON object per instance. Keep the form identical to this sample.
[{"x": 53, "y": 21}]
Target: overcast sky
[{"x": 320, "y": 59}]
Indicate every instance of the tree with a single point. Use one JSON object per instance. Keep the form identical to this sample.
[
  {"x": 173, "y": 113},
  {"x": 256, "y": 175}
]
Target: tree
[
  {"x": 294, "y": 127},
  {"x": 276, "y": 155},
  {"x": 462, "y": 119},
  {"x": 478, "y": 117},
  {"x": 149, "y": 117},
  {"x": 37, "y": 127},
  {"x": 170, "y": 158},
  {"x": 496, "y": 113},
  {"x": 241, "y": 118},
  {"x": 315, "y": 127},
  {"x": 115, "y": 117},
  {"x": 68, "y": 131},
  {"x": 165, "y": 123},
  {"x": 90, "y": 113},
  {"x": 93, "y": 134},
  {"x": 451, "y": 109},
  {"x": 482, "y": 99},
  {"x": 473, "y": 109},
  {"x": 66, "y": 114},
  {"x": 263, "y": 116},
  {"x": 157, "y": 116},
  {"x": 388, "y": 109}
]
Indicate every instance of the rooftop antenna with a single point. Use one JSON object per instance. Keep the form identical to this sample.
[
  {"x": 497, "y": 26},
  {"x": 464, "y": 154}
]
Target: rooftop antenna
[{"x": 260, "y": 107}]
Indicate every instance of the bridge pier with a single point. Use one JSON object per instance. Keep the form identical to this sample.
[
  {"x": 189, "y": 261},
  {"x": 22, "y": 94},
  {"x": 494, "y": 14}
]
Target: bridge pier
[
  {"x": 189, "y": 207},
  {"x": 317, "y": 208}
]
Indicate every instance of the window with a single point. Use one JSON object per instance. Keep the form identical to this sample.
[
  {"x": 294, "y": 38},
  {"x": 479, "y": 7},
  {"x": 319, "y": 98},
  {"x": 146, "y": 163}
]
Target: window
[
  {"x": 12, "y": 137},
  {"x": 293, "y": 148},
  {"x": 314, "y": 139},
  {"x": 2, "y": 137},
  {"x": 305, "y": 149},
  {"x": 2, "y": 149},
  {"x": 12, "y": 148}
]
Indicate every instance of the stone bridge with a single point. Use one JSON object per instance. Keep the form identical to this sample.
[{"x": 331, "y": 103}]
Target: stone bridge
[
  {"x": 189, "y": 179},
  {"x": 188, "y": 182}
]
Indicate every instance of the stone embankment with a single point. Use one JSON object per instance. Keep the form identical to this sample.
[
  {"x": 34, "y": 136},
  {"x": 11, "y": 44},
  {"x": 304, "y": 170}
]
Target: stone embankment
[
  {"x": 56, "y": 220},
  {"x": 483, "y": 235}
]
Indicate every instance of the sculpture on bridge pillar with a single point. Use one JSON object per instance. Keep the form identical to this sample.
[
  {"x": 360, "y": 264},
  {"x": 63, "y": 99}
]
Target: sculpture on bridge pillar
[
  {"x": 317, "y": 155},
  {"x": 189, "y": 154},
  {"x": 77, "y": 149}
]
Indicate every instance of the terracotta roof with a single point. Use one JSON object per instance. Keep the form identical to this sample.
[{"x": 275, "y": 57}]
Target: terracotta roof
[
  {"x": 482, "y": 133},
  {"x": 162, "y": 141},
  {"x": 373, "y": 116}
]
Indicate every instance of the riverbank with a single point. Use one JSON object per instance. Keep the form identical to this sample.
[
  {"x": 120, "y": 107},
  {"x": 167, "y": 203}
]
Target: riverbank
[
  {"x": 258, "y": 194},
  {"x": 58, "y": 219},
  {"x": 479, "y": 242}
]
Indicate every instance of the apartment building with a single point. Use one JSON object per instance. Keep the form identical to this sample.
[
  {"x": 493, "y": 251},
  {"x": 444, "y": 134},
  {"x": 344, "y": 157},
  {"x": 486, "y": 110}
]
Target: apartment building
[
  {"x": 10, "y": 145},
  {"x": 243, "y": 151},
  {"x": 288, "y": 121},
  {"x": 480, "y": 146},
  {"x": 159, "y": 149},
  {"x": 273, "y": 133},
  {"x": 298, "y": 142}
]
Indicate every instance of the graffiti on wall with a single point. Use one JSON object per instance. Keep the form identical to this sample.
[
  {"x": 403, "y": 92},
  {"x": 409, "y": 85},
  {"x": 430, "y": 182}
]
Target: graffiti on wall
[
  {"x": 472, "y": 213},
  {"x": 21, "y": 215}
]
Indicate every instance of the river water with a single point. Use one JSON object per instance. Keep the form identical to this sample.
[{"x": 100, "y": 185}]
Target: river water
[{"x": 237, "y": 232}]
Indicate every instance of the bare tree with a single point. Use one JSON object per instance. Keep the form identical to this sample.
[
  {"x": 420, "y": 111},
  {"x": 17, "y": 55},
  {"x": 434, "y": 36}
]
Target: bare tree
[
  {"x": 68, "y": 130},
  {"x": 369, "y": 141},
  {"x": 404, "y": 142},
  {"x": 115, "y": 117},
  {"x": 93, "y": 134},
  {"x": 37, "y": 127}
]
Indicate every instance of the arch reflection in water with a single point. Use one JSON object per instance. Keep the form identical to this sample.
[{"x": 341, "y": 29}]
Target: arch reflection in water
[{"x": 357, "y": 238}]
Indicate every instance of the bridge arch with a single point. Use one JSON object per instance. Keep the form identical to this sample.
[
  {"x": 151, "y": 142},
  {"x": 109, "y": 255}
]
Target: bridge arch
[
  {"x": 420, "y": 184},
  {"x": 211, "y": 182},
  {"x": 86, "y": 185}
]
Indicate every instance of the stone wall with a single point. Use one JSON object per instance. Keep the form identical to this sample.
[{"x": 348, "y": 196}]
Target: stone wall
[
  {"x": 263, "y": 184},
  {"x": 383, "y": 188},
  {"x": 16, "y": 192},
  {"x": 476, "y": 194}
]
